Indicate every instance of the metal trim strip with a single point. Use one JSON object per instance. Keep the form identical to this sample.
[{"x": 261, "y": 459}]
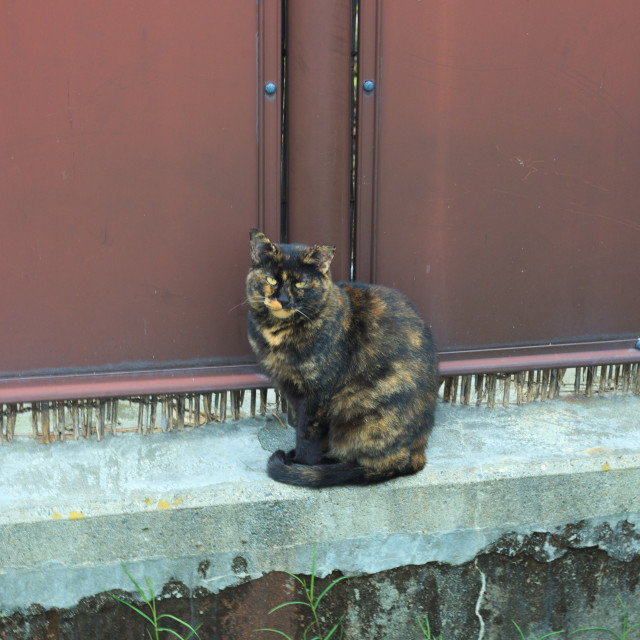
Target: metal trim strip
[{"x": 39, "y": 388}]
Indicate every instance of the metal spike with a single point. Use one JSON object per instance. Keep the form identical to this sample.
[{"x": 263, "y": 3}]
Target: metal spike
[
  {"x": 44, "y": 418},
  {"x": 626, "y": 374},
  {"x": 446, "y": 394},
  {"x": 252, "y": 405},
  {"x": 553, "y": 384},
  {"x": 153, "y": 405},
  {"x": 196, "y": 399},
  {"x": 223, "y": 406},
  {"x": 94, "y": 419},
  {"x": 141, "y": 425},
  {"x": 544, "y": 390},
  {"x": 86, "y": 419},
  {"x": 559, "y": 378},
  {"x": 589, "y": 381},
  {"x": 100, "y": 416},
  {"x": 35, "y": 414},
  {"x": 75, "y": 419},
  {"x": 609, "y": 383},
  {"x": 454, "y": 391},
  {"x": 180, "y": 411},
  {"x": 166, "y": 421},
  {"x": 519, "y": 382},
  {"x": 507, "y": 390},
  {"x": 490, "y": 386},
  {"x": 466, "y": 389},
  {"x": 479, "y": 389},
  {"x": 62, "y": 419},
  {"x": 54, "y": 413},
  {"x": 530, "y": 386},
  {"x": 537, "y": 385},
  {"x": 235, "y": 405},
  {"x": 114, "y": 414},
  {"x": 12, "y": 414},
  {"x": 603, "y": 379},
  {"x": 263, "y": 402},
  {"x": 206, "y": 402}
]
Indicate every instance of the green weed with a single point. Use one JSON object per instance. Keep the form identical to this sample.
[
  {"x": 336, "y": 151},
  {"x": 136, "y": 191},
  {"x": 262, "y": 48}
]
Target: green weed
[
  {"x": 313, "y": 603},
  {"x": 314, "y": 630},
  {"x": 154, "y": 619},
  {"x": 626, "y": 630},
  {"x": 547, "y": 635},
  {"x": 427, "y": 630}
]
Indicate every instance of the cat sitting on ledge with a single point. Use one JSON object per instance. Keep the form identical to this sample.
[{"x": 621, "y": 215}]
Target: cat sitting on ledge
[{"x": 355, "y": 362}]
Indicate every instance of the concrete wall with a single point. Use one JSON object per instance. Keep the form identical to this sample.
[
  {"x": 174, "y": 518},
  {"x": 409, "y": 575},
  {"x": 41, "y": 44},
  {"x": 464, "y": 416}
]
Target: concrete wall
[{"x": 528, "y": 513}]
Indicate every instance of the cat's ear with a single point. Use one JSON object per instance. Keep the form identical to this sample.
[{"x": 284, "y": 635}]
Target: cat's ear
[
  {"x": 260, "y": 246},
  {"x": 321, "y": 256}
]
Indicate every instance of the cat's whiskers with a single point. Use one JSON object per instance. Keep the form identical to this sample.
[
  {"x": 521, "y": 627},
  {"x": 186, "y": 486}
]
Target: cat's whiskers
[
  {"x": 304, "y": 315},
  {"x": 246, "y": 301}
]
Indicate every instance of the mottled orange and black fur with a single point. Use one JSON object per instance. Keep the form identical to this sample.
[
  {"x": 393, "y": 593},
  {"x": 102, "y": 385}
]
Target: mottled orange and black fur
[{"x": 355, "y": 362}]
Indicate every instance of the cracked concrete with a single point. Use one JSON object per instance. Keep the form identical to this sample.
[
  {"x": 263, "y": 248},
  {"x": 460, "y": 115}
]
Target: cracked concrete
[
  {"x": 195, "y": 508},
  {"x": 478, "y": 607}
]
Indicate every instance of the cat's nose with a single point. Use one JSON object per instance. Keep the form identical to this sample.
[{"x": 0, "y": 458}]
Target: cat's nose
[{"x": 283, "y": 298}]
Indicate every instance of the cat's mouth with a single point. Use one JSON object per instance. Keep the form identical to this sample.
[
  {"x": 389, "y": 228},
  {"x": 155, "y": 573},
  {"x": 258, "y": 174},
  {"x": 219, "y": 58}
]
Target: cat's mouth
[{"x": 276, "y": 308}]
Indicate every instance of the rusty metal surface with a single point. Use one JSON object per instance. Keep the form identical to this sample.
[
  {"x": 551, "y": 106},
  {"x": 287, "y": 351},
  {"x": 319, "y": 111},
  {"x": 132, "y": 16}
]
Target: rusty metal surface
[
  {"x": 137, "y": 148},
  {"x": 319, "y": 125},
  {"x": 500, "y": 190},
  {"x": 505, "y": 360},
  {"x": 121, "y": 384}
]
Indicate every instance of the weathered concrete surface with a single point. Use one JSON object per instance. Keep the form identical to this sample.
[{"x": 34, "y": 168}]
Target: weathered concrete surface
[
  {"x": 478, "y": 599},
  {"x": 196, "y": 508}
]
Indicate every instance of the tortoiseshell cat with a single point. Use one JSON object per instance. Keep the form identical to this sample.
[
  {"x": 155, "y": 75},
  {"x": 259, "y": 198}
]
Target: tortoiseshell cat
[{"x": 355, "y": 362}]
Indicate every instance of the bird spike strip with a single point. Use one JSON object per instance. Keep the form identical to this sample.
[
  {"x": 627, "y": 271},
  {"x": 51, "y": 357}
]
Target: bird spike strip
[
  {"x": 95, "y": 418},
  {"x": 523, "y": 387}
]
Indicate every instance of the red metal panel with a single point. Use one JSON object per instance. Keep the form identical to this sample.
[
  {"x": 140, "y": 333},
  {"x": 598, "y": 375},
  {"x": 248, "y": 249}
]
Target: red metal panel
[
  {"x": 319, "y": 125},
  {"x": 505, "y": 195},
  {"x": 137, "y": 149}
]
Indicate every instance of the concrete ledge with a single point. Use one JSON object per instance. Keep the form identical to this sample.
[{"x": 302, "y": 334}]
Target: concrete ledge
[{"x": 197, "y": 507}]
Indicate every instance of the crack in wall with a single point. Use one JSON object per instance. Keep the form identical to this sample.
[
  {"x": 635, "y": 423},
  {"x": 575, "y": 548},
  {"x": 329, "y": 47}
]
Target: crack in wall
[{"x": 483, "y": 589}]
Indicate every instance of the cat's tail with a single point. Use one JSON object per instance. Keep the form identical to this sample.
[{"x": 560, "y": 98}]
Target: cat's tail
[{"x": 323, "y": 475}]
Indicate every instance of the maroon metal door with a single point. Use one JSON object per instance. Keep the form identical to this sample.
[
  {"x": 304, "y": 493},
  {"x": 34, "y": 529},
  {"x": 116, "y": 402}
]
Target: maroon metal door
[
  {"x": 498, "y": 175},
  {"x": 497, "y": 164},
  {"x": 137, "y": 149}
]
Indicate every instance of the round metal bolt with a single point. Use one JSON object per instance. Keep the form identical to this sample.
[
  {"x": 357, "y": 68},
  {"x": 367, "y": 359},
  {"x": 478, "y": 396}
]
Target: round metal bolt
[
  {"x": 368, "y": 85},
  {"x": 270, "y": 88}
]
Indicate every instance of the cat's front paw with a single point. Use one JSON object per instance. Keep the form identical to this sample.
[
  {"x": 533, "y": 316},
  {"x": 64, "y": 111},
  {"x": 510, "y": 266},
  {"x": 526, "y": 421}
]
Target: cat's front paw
[{"x": 289, "y": 457}]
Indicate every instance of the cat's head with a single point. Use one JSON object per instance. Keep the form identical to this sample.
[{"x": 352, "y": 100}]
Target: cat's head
[{"x": 289, "y": 281}]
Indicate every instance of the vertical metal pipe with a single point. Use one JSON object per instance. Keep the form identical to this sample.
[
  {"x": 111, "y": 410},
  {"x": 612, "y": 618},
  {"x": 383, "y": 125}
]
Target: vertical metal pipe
[
  {"x": 319, "y": 125},
  {"x": 269, "y": 114}
]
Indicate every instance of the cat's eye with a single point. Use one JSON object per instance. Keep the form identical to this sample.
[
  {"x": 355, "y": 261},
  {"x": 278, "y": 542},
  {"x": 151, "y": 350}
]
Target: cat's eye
[
  {"x": 301, "y": 285},
  {"x": 272, "y": 281}
]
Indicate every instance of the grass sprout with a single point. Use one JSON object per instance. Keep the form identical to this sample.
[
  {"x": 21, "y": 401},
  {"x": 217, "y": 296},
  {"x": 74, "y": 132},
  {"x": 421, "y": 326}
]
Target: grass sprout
[
  {"x": 312, "y": 603},
  {"x": 156, "y": 621},
  {"x": 426, "y": 629},
  {"x": 546, "y": 635},
  {"x": 626, "y": 629}
]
